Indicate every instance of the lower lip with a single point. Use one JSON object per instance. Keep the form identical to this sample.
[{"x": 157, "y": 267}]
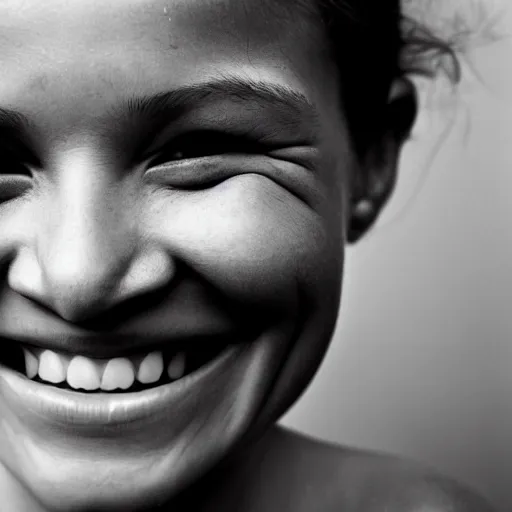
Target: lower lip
[{"x": 66, "y": 407}]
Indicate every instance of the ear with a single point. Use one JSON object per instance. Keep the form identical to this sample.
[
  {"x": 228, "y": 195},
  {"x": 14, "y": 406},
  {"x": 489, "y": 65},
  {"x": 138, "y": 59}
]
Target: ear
[{"x": 377, "y": 173}]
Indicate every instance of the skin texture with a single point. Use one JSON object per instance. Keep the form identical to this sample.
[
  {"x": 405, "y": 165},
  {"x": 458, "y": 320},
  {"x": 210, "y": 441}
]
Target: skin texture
[
  {"x": 297, "y": 473},
  {"x": 99, "y": 239}
]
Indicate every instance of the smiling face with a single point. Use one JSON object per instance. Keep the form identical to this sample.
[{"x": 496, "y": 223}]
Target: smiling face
[{"x": 174, "y": 177}]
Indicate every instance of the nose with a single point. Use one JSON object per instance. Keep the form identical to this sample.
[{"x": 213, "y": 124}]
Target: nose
[{"x": 88, "y": 255}]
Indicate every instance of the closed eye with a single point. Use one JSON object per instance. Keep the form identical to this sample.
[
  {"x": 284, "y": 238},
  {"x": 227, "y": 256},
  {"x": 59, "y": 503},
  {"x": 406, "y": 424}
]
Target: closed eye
[{"x": 202, "y": 144}]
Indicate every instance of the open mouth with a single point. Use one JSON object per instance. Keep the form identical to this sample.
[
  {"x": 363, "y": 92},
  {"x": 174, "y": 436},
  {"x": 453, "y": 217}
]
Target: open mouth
[{"x": 137, "y": 372}]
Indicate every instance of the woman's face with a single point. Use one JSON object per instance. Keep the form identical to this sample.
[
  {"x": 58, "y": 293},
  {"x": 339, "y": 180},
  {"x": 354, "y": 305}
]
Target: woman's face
[{"x": 174, "y": 177}]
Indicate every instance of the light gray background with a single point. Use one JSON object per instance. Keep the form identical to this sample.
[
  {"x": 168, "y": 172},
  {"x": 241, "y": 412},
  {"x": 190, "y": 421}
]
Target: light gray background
[{"x": 421, "y": 361}]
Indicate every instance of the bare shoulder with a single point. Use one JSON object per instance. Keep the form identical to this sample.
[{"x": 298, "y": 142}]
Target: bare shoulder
[
  {"x": 405, "y": 486},
  {"x": 352, "y": 480}
]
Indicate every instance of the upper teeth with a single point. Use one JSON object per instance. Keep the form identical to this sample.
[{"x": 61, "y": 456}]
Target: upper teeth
[{"x": 82, "y": 372}]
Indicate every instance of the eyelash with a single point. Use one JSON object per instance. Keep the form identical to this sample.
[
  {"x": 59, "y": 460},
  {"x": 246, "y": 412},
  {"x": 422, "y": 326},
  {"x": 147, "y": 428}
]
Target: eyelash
[{"x": 202, "y": 144}]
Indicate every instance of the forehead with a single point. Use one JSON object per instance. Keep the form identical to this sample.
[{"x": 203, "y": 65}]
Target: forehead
[
  {"x": 86, "y": 25},
  {"x": 50, "y": 48}
]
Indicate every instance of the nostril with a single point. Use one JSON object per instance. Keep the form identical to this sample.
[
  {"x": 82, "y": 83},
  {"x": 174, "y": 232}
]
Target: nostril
[{"x": 82, "y": 292}]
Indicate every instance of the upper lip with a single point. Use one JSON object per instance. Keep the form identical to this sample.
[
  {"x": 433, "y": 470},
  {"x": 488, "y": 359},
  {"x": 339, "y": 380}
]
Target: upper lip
[{"x": 103, "y": 346}]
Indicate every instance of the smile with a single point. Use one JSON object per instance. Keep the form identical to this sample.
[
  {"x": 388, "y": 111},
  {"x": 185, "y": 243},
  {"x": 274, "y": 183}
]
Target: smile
[
  {"x": 133, "y": 373},
  {"x": 120, "y": 373},
  {"x": 75, "y": 389}
]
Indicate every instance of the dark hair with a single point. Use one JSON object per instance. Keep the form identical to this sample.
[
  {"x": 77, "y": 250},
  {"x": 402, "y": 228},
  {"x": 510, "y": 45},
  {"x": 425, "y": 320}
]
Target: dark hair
[{"x": 374, "y": 42}]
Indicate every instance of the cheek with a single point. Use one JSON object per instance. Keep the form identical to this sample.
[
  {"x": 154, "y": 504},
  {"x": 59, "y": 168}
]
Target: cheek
[{"x": 248, "y": 236}]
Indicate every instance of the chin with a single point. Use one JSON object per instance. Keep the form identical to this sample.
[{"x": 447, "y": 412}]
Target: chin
[{"x": 88, "y": 463}]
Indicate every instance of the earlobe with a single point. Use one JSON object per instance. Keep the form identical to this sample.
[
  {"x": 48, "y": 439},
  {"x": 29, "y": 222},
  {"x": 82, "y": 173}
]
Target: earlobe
[
  {"x": 379, "y": 168},
  {"x": 362, "y": 216}
]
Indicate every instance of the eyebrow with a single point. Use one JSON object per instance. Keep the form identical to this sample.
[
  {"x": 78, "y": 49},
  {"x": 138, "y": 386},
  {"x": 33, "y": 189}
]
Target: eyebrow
[
  {"x": 296, "y": 110},
  {"x": 162, "y": 107}
]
